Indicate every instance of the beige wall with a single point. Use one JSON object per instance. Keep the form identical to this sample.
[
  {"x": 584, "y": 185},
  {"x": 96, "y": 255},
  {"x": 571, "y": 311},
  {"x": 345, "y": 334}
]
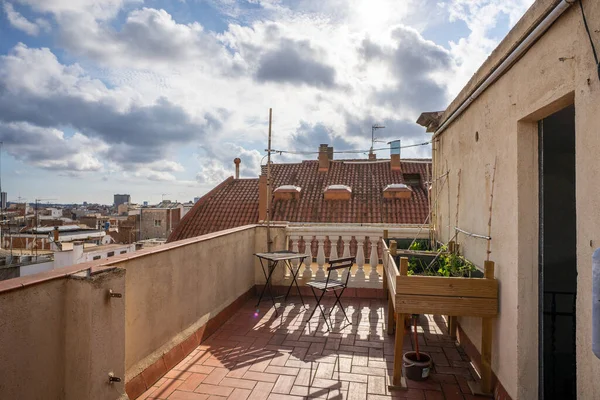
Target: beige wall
[
  {"x": 505, "y": 117},
  {"x": 61, "y": 338},
  {"x": 175, "y": 289}
]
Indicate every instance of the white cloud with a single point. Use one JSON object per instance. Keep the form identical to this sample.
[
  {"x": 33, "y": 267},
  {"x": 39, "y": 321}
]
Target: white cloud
[
  {"x": 149, "y": 39},
  {"x": 20, "y": 22},
  {"x": 212, "y": 172},
  {"x": 101, "y": 9},
  {"x": 148, "y": 85},
  {"x": 480, "y": 16},
  {"x": 48, "y": 148},
  {"x": 40, "y": 95}
]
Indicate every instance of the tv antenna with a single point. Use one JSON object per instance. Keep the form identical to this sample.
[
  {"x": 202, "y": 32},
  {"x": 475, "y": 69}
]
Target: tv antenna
[
  {"x": 374, "y": 127},
  {"x": 37, "y": 201}
]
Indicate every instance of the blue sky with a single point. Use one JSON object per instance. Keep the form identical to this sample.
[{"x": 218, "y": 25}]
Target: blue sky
[{"x": 159, "y": 96}]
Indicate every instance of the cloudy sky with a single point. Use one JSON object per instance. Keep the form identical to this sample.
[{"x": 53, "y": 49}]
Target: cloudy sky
[{"x": 158, "y": 96}]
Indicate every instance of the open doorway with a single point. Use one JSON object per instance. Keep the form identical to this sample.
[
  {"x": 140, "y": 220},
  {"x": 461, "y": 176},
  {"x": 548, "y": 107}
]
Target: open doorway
[{"x": 557, "y": 255}]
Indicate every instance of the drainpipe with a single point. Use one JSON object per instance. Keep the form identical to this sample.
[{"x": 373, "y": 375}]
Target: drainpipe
[{"x": 513, "y": 57}]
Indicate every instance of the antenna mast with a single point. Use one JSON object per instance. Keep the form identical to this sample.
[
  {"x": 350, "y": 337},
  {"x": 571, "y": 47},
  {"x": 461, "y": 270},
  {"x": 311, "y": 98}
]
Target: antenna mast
[
  {"x": 269, "y": 185},
  {"x": 374, "y": 127}
]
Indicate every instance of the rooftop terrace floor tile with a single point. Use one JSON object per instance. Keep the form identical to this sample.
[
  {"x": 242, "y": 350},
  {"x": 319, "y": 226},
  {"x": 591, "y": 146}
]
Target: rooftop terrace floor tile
[{"x": 258, "y": 354}]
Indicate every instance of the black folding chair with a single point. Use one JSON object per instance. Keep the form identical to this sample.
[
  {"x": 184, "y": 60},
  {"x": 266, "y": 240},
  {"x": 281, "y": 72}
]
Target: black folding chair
[{"x": 332, "y": 285}]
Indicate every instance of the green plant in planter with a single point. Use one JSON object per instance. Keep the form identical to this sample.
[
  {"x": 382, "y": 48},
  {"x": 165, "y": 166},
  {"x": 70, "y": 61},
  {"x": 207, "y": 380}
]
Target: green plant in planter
[
  {"x": 446, "y": 264},
  {"x": 454, "y": 265}
]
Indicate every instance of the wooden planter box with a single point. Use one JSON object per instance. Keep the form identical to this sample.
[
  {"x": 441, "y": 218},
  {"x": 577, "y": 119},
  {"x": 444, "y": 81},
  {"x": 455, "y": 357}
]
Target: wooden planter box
[{"x": 475, "y": 297}]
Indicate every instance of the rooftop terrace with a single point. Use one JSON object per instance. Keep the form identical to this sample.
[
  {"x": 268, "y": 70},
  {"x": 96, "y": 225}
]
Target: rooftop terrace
[{"x": 179, "y": 321}]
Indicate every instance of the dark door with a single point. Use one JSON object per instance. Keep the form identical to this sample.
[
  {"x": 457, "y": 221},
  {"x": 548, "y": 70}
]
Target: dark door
[{"x": 557, "y": 255}]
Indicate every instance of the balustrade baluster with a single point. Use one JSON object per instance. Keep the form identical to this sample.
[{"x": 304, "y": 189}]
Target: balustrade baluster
[
  {"x": 360, "y": 259},
  {"x": 346, "y": 253},
  {"x": 307, "y": 272},
  {"x": 320, "y": 257},
  {"x": 334, "y": 253},
  {"x": 374, "y": 260},
  {"x": 295, "y": 262}
]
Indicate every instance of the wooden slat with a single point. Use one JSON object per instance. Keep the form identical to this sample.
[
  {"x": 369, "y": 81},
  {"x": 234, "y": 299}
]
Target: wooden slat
[
  {"x": 385, "y": 280},
  {"x": 403, "y": 267},
  {"x": 447, "y": 286},
  {"x": 391, "y": 273},
  {"x": 393, "y": 248},
  {"x": 446, "y": 305}
]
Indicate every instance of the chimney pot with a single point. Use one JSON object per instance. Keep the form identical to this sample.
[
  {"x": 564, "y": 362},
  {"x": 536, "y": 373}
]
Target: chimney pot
[
  {"x": 395, "y": 155},
  {"x": 237, "y": 163},
  {"x": 324, "y": 157}
]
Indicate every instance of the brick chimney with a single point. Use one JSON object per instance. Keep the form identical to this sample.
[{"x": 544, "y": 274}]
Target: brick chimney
[
  {"x": 324, "y": 159},
  {"x": 262, "y": 197},
  {"x": 237, "y": 163},
  {"x": 56, "y": 233},
  {"x": 395, "y": 155},
  {"x": 372, "y": 156}
]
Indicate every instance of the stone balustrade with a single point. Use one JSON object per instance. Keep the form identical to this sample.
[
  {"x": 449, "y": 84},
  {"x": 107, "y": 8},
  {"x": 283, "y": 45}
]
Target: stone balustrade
[{"x": 324, "y": 241}]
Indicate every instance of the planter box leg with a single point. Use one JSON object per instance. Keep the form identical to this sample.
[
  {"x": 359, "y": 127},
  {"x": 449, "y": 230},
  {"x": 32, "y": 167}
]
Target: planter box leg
[
  {"x": 484, "y": 387},
  {"x": 452, "y": 321},
  {"x": 398, "y": 381},
  {"x": 390, "y": 317}
]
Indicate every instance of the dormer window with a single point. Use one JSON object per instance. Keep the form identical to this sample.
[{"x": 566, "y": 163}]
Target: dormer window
[
  {"x": 338, "y": 192},
  {"x": 287, "y": 192},
  {"x": 412, "y": 179},
  {"x": 397, "y": 191}
]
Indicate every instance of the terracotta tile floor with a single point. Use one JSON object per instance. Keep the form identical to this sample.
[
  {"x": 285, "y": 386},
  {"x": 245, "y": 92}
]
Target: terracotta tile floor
[{"x": 258, "y": 355}]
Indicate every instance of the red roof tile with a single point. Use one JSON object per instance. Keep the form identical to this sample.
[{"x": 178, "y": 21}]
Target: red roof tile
[{"x": 235, "y": 201}]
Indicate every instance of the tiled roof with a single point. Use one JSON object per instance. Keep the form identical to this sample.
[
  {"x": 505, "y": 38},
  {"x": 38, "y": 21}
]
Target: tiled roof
[
  {"x": 235, "y": 201},
  {"x": 367, "y": 181}
]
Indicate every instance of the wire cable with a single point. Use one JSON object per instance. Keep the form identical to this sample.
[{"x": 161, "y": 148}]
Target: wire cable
[
  {"x": 345, "y": 151},
  {"x": 587, "y": 29}
]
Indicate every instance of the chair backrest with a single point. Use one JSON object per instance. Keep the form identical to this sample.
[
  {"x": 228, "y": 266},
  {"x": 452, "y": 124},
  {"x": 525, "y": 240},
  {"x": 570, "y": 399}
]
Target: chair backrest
[{"x": 341, "y": 263}]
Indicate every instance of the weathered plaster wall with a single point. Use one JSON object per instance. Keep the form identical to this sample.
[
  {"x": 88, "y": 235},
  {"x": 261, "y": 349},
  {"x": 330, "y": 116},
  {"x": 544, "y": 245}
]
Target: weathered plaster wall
[
  {"x": 61, "y": 334},
  {"x": 505, "y": 117},
  {"x": 61, "y": 338}
]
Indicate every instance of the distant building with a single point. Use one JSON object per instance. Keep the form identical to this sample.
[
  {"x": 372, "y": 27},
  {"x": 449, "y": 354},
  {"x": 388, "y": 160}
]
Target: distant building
[
  {"x": 17, "y": 263},
  {"x": 158, "y": 222},
  {"x": 127, "y": 229},
  {"x": 145, "y": 204},
  {"x": 121, "y": 199},
  {"x": 196, "y": 199},
  {"x": 55, "y": 212}
]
